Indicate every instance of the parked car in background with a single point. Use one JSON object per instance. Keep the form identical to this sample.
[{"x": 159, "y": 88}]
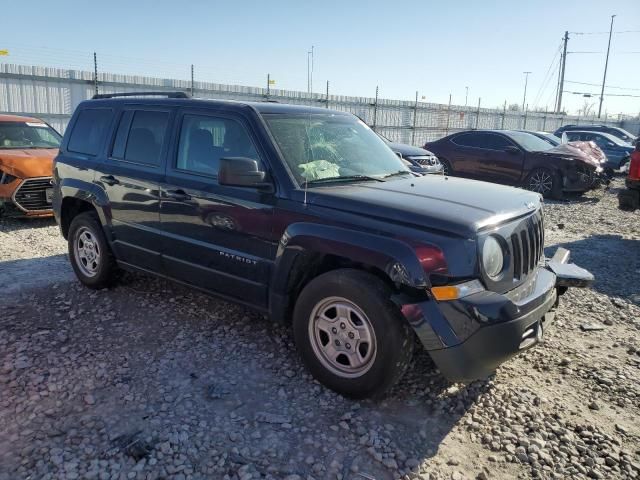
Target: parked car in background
[
  {"x": 616, "y": 150},
  {"x": 516, "y": 158},
  {"x": 589, "y": 148},
  {"x": 417, "y": 159},
  {"x": 27, "y": 149},
  {"x": 617, "y": 132},
  {"x": 546, "y": 136},
  {"x": 340, "y": 240},
  {"x": 629, "y": 198}
]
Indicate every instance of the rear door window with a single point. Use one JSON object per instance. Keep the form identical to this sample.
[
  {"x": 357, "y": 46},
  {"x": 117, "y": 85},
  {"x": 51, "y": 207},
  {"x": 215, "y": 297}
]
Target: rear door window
[
  {"x": 467, "y": 140},
  {"x": 140, "y": 137},
  {"x": 90, "y": 131},
  {"x": 495, "y": 142}
]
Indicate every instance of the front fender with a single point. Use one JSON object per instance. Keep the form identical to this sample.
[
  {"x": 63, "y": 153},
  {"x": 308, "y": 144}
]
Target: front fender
[{"x": 395, "y": 258}]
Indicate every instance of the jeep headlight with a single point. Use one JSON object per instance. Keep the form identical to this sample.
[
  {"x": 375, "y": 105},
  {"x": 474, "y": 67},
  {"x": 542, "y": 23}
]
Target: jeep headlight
[{"x": 492, "y": 257}]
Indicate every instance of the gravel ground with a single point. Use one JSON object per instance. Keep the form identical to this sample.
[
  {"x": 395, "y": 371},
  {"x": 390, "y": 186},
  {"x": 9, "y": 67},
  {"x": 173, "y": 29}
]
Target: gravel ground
[{"x": 151, "y": 380}]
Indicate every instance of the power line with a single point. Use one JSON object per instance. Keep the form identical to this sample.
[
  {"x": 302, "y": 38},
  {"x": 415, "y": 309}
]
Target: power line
[
  {"x": 605, "y": 33},
  {"x": 545, "y": 80},
  {"x": 589, "y": 94},
  {"x": 599, "y": 85}
]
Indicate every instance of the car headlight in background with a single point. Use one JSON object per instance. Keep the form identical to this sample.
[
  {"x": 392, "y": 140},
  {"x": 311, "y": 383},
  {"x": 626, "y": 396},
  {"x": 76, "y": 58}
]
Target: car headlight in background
[
  {"x": 6, "y": 178},
  {"x": 492, "y": 257}
]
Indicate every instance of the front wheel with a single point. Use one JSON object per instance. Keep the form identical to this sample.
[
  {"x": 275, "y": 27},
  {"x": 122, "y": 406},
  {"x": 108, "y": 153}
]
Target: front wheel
[
  {"x": 89, "y": 252},
  {"x": 544, "y": 182},
  {"x": 350, "y": 335},
  {"x": 447, "y": 169}
]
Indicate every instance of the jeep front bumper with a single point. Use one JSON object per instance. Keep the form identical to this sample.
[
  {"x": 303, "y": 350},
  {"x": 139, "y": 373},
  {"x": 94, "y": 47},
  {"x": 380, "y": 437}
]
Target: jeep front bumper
[{"x": 469, "y": 337}]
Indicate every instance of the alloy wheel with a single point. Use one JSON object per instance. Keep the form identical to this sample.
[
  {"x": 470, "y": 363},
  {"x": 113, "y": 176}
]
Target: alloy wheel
[
  {"x": 342, "y": 337},
  {"x": 541, "y": 182}
]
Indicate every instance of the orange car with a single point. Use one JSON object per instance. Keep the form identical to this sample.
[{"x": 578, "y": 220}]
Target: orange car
[{"x": 27, "y": 149}]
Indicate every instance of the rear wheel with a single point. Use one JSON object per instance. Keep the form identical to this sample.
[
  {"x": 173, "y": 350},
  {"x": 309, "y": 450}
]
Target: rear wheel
[
  {"x": 350, "y": 335},
  {"x": 544, "y": 182},
  {"x": 89, "y": 252},
  {"x": 447, "y": 169}
]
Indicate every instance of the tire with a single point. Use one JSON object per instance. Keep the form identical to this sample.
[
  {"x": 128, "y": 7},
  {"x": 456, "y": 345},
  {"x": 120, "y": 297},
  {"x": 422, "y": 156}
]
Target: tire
[
  {"x": 544, "y": 182},
  {"x": 89, "y": 252},
  {"x": 629, "y": 200},
  {"x": 382, "y": 340},
  {"x": 447, "y": 169}
]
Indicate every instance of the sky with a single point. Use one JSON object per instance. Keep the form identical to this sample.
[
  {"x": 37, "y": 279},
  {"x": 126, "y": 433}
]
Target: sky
[{"x": 435, "y": 48}]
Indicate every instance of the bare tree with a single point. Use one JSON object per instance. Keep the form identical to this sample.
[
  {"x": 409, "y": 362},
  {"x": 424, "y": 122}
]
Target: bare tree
[{"x": 586, "y": 109}]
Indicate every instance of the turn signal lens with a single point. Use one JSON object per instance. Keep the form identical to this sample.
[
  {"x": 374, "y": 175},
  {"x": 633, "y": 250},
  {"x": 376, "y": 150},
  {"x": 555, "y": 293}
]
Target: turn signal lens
[{"x": 453, "y": 292}]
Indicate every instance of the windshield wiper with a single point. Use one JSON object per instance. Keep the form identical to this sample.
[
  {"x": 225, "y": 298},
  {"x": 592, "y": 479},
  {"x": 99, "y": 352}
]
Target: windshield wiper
[
  {"x": 398, "y": 173},
  {"x": 344, "y": 178}
]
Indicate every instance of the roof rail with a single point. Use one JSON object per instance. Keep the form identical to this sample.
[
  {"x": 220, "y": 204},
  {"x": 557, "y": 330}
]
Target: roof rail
[{"x": 142, "y": 94}]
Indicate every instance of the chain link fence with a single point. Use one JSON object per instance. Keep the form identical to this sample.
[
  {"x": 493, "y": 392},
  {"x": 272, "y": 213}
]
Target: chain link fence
[{"x": 53, "y": 93}]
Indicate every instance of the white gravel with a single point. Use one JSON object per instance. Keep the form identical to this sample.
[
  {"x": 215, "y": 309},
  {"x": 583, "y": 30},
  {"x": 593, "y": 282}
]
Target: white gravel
[{"x": 150, "y": 380}]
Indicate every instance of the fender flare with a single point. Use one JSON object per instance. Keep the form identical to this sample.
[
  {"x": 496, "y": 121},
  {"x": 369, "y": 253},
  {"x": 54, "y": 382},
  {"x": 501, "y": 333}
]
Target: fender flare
[
  {"x": 394, "y": 257},
  {"x": 90, "y": 193}
]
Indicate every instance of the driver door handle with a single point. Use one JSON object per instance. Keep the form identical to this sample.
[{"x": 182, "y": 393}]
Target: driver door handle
[
  {"x": 178, "y": 194},
  {"x": 109, "y": 180}
]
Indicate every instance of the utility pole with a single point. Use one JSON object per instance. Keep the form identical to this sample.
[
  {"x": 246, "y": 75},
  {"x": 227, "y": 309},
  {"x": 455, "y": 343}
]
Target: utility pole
[
  {"x": 466, "y": 96},
  {"x": 310, "y": 70},
  {"x": 95, "y": 72},
  {"x": 606, "y": 64},
  {"x": 375, "y": 110},
  {"x": 526, "y": 80},
  {"x": 446, "y": 131},
  {"x": 478, "y": 113},
  {"x": 415, "y": 118},
  {"x": 564, "y": 64},
  {"x": 327, "y": 93},
  {"x": 268, "y": 85},
  {"x": 192, "y": 80}
]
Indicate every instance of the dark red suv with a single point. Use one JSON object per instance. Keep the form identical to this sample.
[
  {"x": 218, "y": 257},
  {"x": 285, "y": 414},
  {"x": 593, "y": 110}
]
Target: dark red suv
[{"x": 629, "y": 198}]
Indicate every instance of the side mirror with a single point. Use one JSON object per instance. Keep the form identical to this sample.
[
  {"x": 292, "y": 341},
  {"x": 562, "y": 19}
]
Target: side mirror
[
  {"x": 512, "y": 150},
  {"x": 241, "y": 172}
]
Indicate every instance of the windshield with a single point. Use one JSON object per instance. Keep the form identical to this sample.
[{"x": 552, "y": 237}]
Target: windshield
[
  {"x": 553, "y": 139},
  {"x": 622, "y": 133},
  {"x": 614, "y": 139},
  {"x": 529, "y": 141},
  {"x": 325, "y": 146},
  {"x": 28, "y": 135}
]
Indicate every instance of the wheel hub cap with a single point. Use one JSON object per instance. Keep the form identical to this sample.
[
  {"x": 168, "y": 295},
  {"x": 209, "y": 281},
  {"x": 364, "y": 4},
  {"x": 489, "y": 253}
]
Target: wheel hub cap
[
  {"x": 86, "y": 252},
  {"x": 342, "y": 337}
]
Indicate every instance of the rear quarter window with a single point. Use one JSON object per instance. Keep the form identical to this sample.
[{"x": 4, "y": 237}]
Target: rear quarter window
[{"x": 90, "y": 131}]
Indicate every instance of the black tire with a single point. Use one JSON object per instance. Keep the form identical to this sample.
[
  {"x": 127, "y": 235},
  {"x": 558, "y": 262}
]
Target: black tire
[
  {"x": 392, "y": 342},
  {"x": 629, "y": 200},
  {"x": 545, "y": 182},
  {"x": 104, "y": 266},
  {"x": 447, "y": 169}
]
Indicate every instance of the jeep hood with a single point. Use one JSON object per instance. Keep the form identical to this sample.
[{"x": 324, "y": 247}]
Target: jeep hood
[
  {"x": 25, "y": 163},
  {"x": 454, "y": 205}
]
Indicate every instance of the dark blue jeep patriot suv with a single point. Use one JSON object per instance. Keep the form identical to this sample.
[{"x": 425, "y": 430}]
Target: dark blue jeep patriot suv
[{"x": 308, "y": 216}]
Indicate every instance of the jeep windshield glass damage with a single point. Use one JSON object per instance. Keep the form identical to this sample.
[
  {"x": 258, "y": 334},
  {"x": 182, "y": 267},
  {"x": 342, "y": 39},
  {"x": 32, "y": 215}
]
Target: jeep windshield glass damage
[{"x": 321, "y": 149}]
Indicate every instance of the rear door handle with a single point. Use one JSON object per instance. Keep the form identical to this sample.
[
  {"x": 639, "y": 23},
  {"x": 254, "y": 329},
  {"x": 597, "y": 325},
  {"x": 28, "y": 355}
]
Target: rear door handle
[
  {"x": 109, "y": 180},
  {"x": 178, "y": 195}
]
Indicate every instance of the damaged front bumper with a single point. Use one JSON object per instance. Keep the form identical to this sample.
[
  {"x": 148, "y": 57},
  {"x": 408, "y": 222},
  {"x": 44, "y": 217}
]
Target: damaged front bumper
[{"x": 469, "y": 337}]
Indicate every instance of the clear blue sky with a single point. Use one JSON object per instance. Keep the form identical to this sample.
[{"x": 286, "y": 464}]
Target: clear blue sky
[{"x": 436, "y": 48}]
